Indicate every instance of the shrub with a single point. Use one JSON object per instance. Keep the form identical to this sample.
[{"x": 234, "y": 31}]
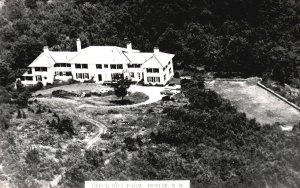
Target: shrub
[
  {"x": 167, "y": 98},
  {"x": 19, "y": 115},
  {"x": 65, "y": 125},
  {"x": 38, "y": 86},
  {"x": 63, "y": 94},
  {"x": 112, "y": 111},
  {"x": 32, "y": 156},
  {"x": 150, "y": 110},
  {"x": 48, "y": 122},
  {"x": 39, "y": 111},
  {"x": 176, "y": 75}
]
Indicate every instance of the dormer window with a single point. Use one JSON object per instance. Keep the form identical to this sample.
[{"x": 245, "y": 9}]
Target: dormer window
[{"x": 40, "y": 69}]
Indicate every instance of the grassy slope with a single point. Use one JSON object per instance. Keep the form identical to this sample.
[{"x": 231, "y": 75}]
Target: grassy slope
[{"x": 257, "y": 103}]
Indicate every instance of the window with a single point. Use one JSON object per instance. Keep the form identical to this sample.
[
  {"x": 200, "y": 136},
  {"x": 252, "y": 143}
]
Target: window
[
  {"x": 40, "y": 69},
  {"x": 116, "y": 76},
  {"x": 38, "y": 78},
  {"x": 29, "y": 71},
  {"x": 153, "y": 79},
  {"x": 132, "y": 74},
  {"x": 86, "y": 76},
  {"x": 98, "y": 66},
  {"x": 68, "y": 73},
  {"x": 113, "y": 66},
  {"x": 119, "y": 66},
  {"x": 79, "y": 75},
  {"x": 152, "y": 70},
  {"x": 28, "y": 78},
  {"x": 170, "y": 70},
  {"x": 130, "y": 65},
  {"x": 81, "y": 66},
  {"x": 105, "y": 66},
  {"x": 77, "y": 66},
  {"x": 62, "y": 65},
  {"x": 165, "y": 77}
]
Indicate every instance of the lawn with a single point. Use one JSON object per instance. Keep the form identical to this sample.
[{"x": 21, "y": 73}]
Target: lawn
[
  {"x": 256, "y": 102},
  {"x": 75, "y": 88}
]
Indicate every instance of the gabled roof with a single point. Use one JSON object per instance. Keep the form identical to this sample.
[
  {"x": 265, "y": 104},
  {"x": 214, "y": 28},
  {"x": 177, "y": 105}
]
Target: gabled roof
[
  {"x": 101, "y": 54},
  {"x": 159, "y": 59},
  {"x": 44, "y": 60},
  {"x": 138, "y": 58},
  {"x": 62, "y": 57}
]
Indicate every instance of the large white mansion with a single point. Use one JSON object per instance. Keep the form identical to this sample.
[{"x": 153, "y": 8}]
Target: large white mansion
[{"x": 100, "y": 64}]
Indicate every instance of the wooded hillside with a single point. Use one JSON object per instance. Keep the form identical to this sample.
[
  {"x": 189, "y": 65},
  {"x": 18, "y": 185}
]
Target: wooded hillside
[{"x": 234, "y": 38}]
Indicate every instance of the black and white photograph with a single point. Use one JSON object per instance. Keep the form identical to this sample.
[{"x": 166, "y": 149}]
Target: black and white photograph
[{"x": 149, "y": 93}]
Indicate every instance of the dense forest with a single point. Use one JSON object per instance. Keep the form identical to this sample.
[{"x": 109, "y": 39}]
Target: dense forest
[{"x": 230, "y": 37}]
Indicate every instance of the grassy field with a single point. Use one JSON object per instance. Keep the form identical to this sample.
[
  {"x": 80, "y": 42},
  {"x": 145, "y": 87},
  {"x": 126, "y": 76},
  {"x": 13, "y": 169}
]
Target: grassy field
[
  {"x": 256, "y": 102},
  {"x": 107, "y": 99}
]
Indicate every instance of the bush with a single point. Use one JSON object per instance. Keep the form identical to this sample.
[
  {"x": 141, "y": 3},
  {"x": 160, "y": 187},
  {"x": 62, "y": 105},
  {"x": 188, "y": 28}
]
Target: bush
[
  {"x": 65, "y": 125},
  {"x": 176, "y": 75},
  {"x": 167, "y": 98},
  {"x": 88, "y": 81},
  {"x": 63, "y": 94},
  {"x": 32, "y": 156},
  {"x": 39, "y": 111},
  {"x": 38, "y": 86},
  {"x": 112, "y": 111}
]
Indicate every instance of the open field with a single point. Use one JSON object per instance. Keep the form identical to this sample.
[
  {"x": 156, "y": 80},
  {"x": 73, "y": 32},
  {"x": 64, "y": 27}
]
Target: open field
[{"x": 256, "y": 102}]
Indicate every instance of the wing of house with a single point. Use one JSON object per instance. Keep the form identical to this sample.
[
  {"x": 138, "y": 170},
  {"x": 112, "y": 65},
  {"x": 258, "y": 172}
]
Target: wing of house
[{"x": 101, "y": 63}]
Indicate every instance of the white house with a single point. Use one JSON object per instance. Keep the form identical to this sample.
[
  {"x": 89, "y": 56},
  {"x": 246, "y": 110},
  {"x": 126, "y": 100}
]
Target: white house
[{"x": 100, "y": 64}]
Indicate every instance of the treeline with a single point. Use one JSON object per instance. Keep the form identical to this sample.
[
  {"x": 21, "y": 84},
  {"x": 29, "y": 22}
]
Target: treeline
[{"x": 230, "y": 37}]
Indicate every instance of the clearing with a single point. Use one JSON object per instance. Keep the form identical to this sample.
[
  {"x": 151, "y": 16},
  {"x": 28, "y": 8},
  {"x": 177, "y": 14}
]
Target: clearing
[{"x": 256, "y": 102}]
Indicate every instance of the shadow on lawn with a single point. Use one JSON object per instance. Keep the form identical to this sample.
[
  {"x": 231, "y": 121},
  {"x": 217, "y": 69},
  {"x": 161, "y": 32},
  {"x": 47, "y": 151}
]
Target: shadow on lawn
[{"x": 122, "y": 102}]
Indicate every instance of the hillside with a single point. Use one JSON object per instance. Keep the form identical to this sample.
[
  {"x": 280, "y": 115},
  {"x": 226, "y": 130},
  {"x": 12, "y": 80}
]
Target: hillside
[{"x": 231, "y": 38}]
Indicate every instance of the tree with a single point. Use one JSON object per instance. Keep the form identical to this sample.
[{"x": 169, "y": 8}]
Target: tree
[
  {"x": 65, "y": 125},
  {"x": 278, "y": 74},
  {"x": 121, "y": 87}
]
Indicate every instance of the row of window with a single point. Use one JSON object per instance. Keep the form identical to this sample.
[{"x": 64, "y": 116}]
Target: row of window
[
  {"x": 116, "y": 76},
  {"x": 153, "y": 79},
  {"x": 62, "y": 65},
  {"x": 134, "y": 65},
  {"x": 138, "y": 75},
  {"x": 40, "y": 69},
  {"x": 63, "y": 73},
  {"x": 116, "y": 66},
  {"x": 81, "y": 66},
  {"x": 82, "y": 76},
  {"x": 152, "y": 70}
]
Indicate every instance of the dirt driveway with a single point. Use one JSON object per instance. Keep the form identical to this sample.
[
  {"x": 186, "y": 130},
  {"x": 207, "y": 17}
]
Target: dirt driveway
[{"x": 256, "y": 102}]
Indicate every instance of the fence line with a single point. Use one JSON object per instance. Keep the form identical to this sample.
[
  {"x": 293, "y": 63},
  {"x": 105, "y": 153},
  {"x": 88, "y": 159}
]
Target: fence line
[{"x": 278, "y": 96}]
